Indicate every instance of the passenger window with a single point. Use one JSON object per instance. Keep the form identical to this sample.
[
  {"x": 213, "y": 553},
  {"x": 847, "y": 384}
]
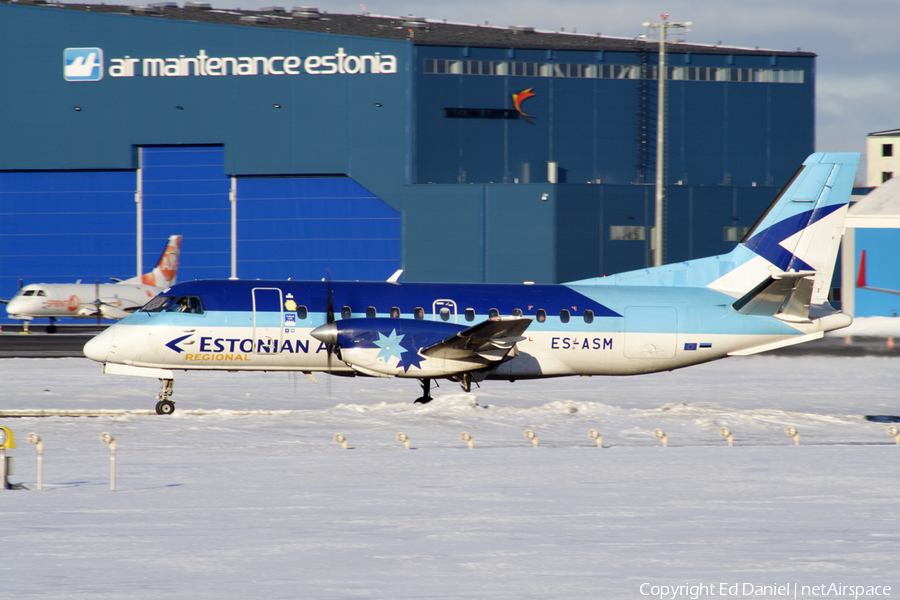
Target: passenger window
[
  {"x": 419, "y": 313},
  {"x": 302, "y": 312},
  {"x": 564, "y": 316},
  {"x": 346, "y": 313},
  {"x": 541, "y": 315},
  {"x": 517, "y": 312},
  {"x": 371, "y": 313},
  {"x": 395, "y": 312},
  {"x": 470, "y": 314},
  {"x": 445, "y": 314},
  {"x": 588, "y": 316},
  {"x": 493, "y": 314}
]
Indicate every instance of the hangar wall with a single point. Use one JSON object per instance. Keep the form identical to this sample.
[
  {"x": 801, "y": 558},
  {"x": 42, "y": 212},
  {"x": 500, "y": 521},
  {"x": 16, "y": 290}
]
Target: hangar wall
[
  {"x": 881, "y": 246},
  {"x": 407, "y": 183}
]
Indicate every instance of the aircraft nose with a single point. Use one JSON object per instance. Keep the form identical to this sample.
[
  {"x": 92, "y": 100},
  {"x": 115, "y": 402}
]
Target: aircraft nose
[
  {"x": 97, "y": 347},
  {"x": 14, "y": 307}
]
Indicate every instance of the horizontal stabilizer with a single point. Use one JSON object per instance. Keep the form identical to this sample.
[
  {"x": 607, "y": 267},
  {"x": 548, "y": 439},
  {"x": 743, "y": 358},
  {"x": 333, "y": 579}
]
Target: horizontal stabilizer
[
  {"x": 785, "y": 295},
  {"x": 491, "y": 340}
]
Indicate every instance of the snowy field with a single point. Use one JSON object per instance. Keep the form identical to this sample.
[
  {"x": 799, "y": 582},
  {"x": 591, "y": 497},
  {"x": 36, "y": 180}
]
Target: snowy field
[{"x": 242, "y": 493}]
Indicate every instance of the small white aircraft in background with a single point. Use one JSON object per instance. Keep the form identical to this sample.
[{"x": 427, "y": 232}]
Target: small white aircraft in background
[{"x": 95, "y": 300}]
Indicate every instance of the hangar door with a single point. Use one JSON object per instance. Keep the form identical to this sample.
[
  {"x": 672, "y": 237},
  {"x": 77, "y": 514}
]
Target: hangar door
[
  {"x": 61, "y": 226},
  {"x": 299, "y": 227},
  {"x": 185, "y": 191}
]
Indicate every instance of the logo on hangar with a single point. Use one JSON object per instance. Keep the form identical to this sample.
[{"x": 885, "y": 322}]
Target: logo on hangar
[
  {"x": 494, "y": 113},
  {"x": 83, "y": 64}
]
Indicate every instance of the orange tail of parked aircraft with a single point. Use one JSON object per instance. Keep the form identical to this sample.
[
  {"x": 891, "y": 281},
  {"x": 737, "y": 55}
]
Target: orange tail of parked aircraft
[{"x": 165, "y": 273}]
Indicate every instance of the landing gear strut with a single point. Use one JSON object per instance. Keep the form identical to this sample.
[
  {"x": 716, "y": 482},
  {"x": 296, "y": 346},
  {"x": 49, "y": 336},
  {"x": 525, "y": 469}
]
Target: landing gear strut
[
  {"x": 166, "y": 389},
  {"x": 426, "y": 392}
]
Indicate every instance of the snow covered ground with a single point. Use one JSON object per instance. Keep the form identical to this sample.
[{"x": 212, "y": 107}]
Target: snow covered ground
[{"x": 242, "y": 493}]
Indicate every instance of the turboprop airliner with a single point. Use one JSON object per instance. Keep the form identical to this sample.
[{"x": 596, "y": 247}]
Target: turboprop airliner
[
  {"x": 96, "y": 300},
  {"x": 770, "y": 291}
]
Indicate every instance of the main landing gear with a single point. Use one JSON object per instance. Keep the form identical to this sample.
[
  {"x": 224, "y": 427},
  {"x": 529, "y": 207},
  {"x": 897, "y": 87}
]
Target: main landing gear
[
  {"x": 166, "y": 389},
  {"x": 426, "y": 392}
]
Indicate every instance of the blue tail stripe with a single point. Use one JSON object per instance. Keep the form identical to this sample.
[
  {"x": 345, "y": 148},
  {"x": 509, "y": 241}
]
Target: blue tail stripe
[{"x": 767, "y": 243}]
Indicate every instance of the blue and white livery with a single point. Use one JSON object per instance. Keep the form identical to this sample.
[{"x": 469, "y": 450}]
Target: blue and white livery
[{"x": 770, "y": 291}]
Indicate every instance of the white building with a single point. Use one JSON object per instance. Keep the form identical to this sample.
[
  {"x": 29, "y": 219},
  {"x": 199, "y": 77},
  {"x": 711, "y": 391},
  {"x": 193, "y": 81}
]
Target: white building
[{"x": 882, "y": 156}]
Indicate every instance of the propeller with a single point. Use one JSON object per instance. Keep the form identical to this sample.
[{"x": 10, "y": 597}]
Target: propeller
[
  {"x": 329, "y": 319},
  {"x": 97, "y": 302}
]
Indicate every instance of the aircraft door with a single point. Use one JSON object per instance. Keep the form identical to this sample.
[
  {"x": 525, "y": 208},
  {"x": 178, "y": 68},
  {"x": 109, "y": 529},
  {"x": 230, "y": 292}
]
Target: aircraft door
[
  {"x": 650, "y": 331},
  {"x": 268, "y": 320},
  {"x": 443, "y": 310}
]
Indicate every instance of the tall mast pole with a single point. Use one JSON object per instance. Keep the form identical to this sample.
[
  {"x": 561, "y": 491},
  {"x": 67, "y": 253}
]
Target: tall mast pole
[{"x": 657, "y": 237}]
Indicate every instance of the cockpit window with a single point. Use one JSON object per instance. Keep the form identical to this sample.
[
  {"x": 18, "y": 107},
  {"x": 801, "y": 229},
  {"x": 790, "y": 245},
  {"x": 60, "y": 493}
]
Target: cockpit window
[
  {"x": 186, "y": 304},
  {"x": 42, "y": 293},
  {"x": 157, "y": 304},
  {"x": 28, "y": 293}
]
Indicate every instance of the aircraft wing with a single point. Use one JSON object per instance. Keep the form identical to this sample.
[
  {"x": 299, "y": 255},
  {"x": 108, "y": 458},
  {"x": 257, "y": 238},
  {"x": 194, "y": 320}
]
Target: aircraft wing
[
  {"x": 882, "y": 290},
  {"x": 861, "y": 279},
  {"x": 491, "y": 340}
]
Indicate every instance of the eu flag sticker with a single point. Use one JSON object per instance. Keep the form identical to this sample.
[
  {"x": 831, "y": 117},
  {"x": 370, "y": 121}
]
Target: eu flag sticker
[{"x": 690, "y": 346}]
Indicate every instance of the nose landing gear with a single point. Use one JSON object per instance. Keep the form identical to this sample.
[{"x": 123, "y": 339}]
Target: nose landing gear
[
  {"x": 426, "y": 392},
  {"x": 164, "y": 406}
]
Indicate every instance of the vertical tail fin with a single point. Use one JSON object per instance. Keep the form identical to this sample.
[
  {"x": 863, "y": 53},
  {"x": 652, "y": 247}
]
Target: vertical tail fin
[
  {"x": 165, "y": 273},
  {"x": 801, "y": 231}
]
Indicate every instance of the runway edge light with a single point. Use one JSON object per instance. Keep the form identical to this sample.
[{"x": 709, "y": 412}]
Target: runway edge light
[
  {"x": 35, "y": 439},
  {"x": 595, "y": 435},
  {"x": 792, "y": 432},
  {"x": 529, "y": 435},
  {"x": 661, "y": 435},
  {"x": 726, "y": 433},
  {"x": 465, "y": 437},
  {"x": 106, "y": 438}
]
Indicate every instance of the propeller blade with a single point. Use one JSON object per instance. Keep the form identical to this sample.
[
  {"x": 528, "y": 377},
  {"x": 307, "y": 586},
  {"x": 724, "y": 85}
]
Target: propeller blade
[
  {"x": 329, "y": 308},
  {"x": 97, "y": 301},
  {"x": 329, "y": 318}
]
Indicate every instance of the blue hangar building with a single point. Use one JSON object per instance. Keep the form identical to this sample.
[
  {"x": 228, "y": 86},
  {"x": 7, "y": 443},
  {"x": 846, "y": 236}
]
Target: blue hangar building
[{"x": 294, "y": 144}]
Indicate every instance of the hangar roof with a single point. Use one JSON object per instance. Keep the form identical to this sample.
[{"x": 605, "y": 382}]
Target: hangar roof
[
  {"x": 888, "y": 133},
  {"x": 880, "y": 208},
  {"x": 417, "y": 30}
]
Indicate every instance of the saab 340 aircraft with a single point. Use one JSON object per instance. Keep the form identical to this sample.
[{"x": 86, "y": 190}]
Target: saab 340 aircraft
[
  {"x": 100, "y": 300},
  {"x": 769, "y": 292}
]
